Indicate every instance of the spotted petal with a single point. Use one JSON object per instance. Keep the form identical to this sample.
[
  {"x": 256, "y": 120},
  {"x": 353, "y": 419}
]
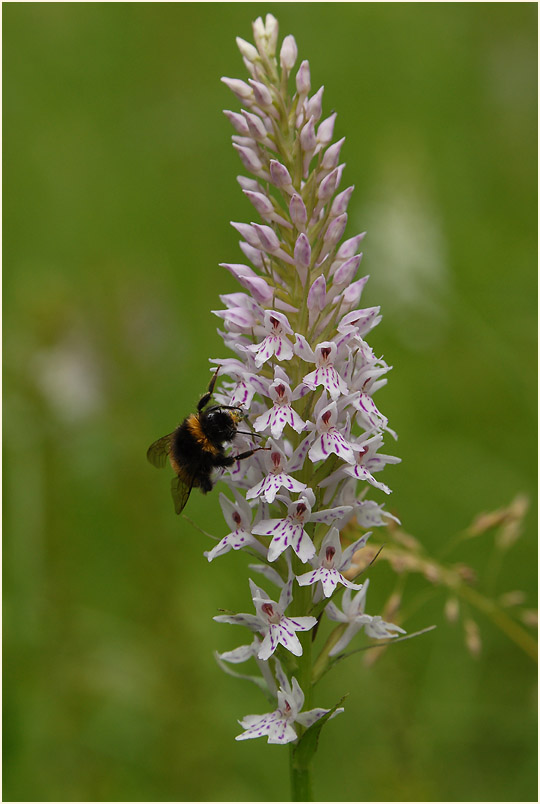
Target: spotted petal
[
  {"x": 251, "y": 621},
  {"x": 310, "y": 717},
  {"x": 276, "y": 418},
  {"x": 257, "y": 725},
  {"x": 369, "y": 416},
  {"x": 286, "y": 533},
  {"x": 281, "y": 732},
  {"x": 241, "y": 654},
  {"x": 330, "y": 514},
  {"x": 272, "y": 345},
  {"x": 271, "y": 484},
  {"x": 269, "y": 643},
  {"x": 329, "y": 579},
  {"x": 328, "y": 377},
  {"x": 233, "y": 541},
  {"x": 331, "y": 443},
  {"x": 370, "y": 514},
  {"x": 361, "y": 473}
]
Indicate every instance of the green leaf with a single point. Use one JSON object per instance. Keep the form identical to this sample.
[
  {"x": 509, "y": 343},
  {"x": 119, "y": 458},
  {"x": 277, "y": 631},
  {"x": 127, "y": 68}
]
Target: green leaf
[{"x": 304, "y": 752}]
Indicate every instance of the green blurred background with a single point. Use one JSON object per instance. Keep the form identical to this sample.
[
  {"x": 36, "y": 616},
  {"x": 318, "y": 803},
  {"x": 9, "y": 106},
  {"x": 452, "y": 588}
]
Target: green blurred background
[{"x": 119, "y": 182}]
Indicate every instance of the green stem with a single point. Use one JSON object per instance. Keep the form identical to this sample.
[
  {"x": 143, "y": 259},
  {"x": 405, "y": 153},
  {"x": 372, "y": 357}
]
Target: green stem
[
  {"x": 302, "y": 603},
  {"x": 300, "y": 767},
  {"x": 300, "y": 778}
]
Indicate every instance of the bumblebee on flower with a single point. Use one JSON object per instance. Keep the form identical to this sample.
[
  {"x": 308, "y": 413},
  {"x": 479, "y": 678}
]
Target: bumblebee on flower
[{"x": 306, "y": 376}]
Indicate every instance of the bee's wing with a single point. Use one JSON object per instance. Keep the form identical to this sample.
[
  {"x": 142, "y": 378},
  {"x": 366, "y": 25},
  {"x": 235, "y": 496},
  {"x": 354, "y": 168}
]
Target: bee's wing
[
  {"x": 158, "y": 452},
  {"x": 180, "y": 490}
]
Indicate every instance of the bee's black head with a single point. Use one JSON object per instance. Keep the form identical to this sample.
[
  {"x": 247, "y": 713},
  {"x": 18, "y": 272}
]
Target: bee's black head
[{"x": 219, "y": 425}]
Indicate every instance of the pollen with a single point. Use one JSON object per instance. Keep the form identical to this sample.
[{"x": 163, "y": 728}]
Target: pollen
[{"x": 237, "y": 416}]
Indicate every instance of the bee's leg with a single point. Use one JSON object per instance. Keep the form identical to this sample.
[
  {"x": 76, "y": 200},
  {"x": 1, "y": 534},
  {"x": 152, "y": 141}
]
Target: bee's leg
[
  {"x": 228, "y": 460},
  {"x": 247, "y": 454},
  {"x": 205, "y": 484},
  {"x": 224, "y": 462},
  {"x": 205, "y": 399}
]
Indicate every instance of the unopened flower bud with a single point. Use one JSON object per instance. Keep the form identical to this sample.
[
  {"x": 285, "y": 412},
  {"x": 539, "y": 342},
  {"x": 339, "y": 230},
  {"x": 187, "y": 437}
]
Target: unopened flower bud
[
  {"x": 345, "y": 274},
  {"x": 317, "y": 294},
  {"x": 248, "y": 233},
  {"x": 262, "y": 94},
  {"x": 308, "y": 140},
  {"x": 325, "y": 132},
  {"x": 245, "y": 142},
  {"x": 265, "y": 34},
  {"x": 331, "y": 156},
  {"x": 303, "y": 79},
  {"x": 328, "y": 186},
  {"x": 351, "y": 297},
  {"x": 302, "y": 251},
  {"x": 260, "y": 289},
  {"x": 349, "y": 247},
  {"x": 256, "y": 126},
  {"x": 297, "y": 211},
  {"x": 314, "y": 105},
  {"x": 242, "y": 90},
  {"x": 267, "y": 237},
  {"x": 237, "y": 121},
  {"x": 280, "y": 175},
  {"x": 288, "y": 53},
  {"x": 238, "y": 269},
  {"x": 247, "y": 49},
  {"x": 341, "y": 202},
  {"x": 261, "y": 203},
  {"x": 272, "y": 30},
  {"x": 249, "y": 184},
  {"x": 259, "y": 33},
  {"x": 335, "y": 230},
  {"x": 249, "y": 158}
]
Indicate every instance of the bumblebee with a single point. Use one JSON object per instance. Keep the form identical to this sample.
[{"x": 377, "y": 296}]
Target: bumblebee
[{"x": 196, "y": 447}]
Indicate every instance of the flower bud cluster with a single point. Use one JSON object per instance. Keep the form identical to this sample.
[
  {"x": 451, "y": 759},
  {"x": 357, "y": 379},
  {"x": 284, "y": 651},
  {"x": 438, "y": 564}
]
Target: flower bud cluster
[{"x": 303, "y": 372}]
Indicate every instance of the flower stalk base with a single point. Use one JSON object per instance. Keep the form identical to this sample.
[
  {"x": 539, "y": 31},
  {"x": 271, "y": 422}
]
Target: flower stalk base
[{"x": 300, "y": 778}]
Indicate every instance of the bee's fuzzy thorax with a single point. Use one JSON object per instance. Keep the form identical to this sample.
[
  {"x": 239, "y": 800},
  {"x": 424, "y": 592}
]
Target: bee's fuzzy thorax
[{"x": 194, "y": 427}]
